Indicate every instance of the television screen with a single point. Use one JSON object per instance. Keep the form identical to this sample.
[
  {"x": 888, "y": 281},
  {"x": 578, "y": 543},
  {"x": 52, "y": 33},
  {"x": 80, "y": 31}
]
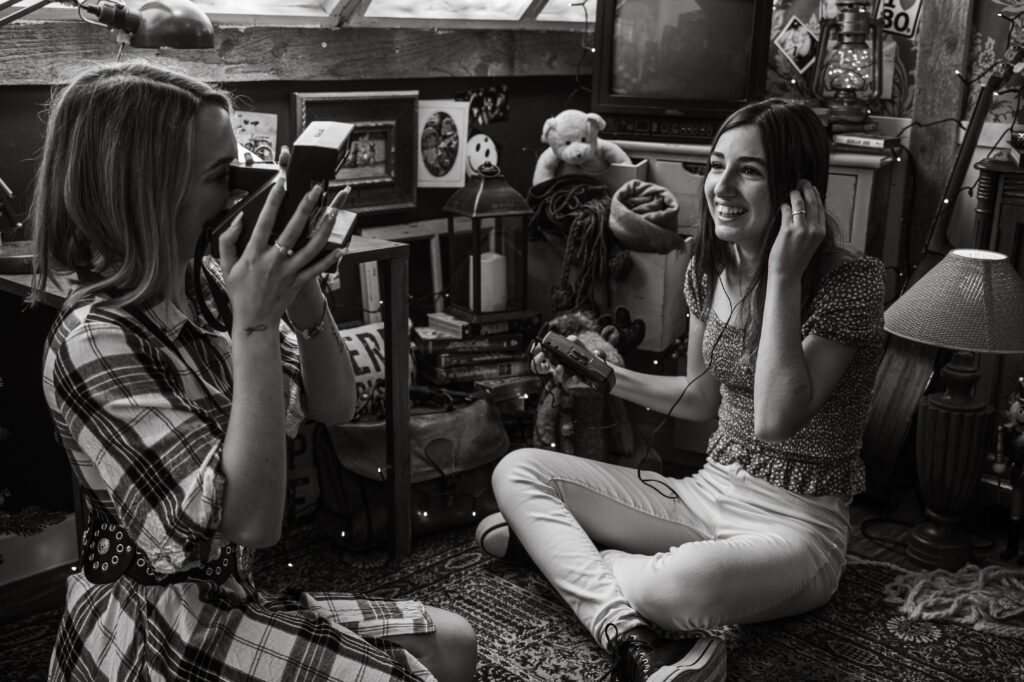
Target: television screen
[
  {"x": 672, "y": 70},
  {"x": 698, "y": 49}
]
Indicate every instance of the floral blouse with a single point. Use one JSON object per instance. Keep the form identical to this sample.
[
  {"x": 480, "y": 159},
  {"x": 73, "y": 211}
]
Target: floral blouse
[{"x": 823, "y": 457}]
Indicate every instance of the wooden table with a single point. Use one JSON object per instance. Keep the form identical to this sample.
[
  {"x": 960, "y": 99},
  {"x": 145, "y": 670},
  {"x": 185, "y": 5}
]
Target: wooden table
[{"x": 393, "y": 260}]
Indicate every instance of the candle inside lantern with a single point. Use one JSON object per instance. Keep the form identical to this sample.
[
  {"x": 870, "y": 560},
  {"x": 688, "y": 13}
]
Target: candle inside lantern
[{"x": 493, "y": 277}]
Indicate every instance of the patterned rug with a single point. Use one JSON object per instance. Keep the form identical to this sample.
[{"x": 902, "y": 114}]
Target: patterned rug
[{"x": 525, "y": 633}]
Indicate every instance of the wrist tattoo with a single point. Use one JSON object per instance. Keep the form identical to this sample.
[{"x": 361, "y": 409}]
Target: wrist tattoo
[{"x": 249, "y": 331}]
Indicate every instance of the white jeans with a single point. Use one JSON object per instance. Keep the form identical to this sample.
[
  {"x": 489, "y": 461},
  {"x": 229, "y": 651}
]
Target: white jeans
[{"x": 730, "y": 549}]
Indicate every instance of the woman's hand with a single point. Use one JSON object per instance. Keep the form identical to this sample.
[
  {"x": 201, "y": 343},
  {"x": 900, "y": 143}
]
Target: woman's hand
[
  {"x": 264, "y": 279},
  {"x": 802, "y": 231}
]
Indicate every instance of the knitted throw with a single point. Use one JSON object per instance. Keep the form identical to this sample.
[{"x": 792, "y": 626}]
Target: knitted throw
[
  {"x": 989, "y": 599},
  {"x": 571, "y": 212}
]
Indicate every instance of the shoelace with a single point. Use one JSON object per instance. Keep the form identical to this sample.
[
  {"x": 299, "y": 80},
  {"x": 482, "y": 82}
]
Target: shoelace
[
  {"x": 622, "y": 655},
  {"x": 616, "y": 651}
]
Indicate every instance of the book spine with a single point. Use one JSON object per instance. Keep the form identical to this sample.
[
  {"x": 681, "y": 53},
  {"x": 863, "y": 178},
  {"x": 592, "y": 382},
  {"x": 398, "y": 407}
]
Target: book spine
[
  {"x": 464, "y": 359},
  {"x": 861, "y": 141},
  {"x": 503, "y": 327},
  {"x": 477, "y": 344},
  {"x": 454, "y": 327},
  {"x": 465, "y": 329},
  {"x": 474, "y": 372}
]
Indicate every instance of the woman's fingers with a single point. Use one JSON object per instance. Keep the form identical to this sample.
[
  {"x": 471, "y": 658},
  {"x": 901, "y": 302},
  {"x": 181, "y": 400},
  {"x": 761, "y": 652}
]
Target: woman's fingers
[
  {"x": 226, "y": 243},
  {"x": 290, "y": 235},
  {"x": 265, "y": 223},
  {"x": 330, "y": 214}
]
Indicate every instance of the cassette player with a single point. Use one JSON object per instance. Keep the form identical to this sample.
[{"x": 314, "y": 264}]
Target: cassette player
[{"x": 578, "y": 361}]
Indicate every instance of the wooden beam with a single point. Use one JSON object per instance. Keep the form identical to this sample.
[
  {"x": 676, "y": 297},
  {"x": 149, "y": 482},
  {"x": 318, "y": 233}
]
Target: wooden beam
[
  {"x": 943, "y": 47},
  {"x": 42, "y": 53}
]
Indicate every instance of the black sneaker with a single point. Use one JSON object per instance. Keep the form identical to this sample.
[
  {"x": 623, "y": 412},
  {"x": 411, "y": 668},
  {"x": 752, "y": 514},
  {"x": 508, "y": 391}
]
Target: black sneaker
[{"x": 644, "y": 656}]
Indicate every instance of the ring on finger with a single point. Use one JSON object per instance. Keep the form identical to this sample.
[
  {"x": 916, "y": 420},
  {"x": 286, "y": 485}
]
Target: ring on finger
[
  {"x": 284, "y": 250},
  {"x": 799, "y": 212}
]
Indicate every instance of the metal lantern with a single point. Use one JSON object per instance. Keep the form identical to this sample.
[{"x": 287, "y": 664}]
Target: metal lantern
[
  {"x": 848, "y": 71},
  {"x": 487, "y": 265}
]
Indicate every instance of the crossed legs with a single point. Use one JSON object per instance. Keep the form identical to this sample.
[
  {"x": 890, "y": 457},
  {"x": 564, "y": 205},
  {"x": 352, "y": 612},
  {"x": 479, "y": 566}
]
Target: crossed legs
[{"x": 716, "y": 548}]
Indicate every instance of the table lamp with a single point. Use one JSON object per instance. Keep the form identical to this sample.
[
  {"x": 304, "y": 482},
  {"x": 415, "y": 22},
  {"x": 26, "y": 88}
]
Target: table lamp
[{"x": 971, "y": 302}]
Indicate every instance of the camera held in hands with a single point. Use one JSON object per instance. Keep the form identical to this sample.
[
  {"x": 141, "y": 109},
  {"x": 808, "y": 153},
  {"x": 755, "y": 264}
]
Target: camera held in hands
[
  {"x": 578, "y": 361},
  {"x": 316, "y": 157}
]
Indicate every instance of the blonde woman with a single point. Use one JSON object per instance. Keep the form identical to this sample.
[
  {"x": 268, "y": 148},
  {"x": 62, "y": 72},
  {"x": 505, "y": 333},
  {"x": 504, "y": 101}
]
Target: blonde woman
[{"x": 176, "y": 431}]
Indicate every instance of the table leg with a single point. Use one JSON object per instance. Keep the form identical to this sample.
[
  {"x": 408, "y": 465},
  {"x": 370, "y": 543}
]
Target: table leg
[{"x": 395, "y": 283}]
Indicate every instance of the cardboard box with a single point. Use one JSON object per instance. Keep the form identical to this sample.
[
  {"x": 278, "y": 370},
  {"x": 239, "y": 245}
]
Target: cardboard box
[
  {"x": 618, "y": 174},
  {"x": 653, "y": 292}
]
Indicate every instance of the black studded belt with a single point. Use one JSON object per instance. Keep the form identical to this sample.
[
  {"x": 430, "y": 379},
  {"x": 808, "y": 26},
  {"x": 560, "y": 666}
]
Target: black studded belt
[{"x": 108, "y": 553}]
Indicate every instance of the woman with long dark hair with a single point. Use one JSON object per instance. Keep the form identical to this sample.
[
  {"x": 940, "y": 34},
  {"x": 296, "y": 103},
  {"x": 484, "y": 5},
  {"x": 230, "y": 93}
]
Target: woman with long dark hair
[{"x": 785, "y": 335}]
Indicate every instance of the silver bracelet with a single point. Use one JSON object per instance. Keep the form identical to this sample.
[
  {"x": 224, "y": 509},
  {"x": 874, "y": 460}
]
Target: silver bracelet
[{"x": 312, "y": 332}]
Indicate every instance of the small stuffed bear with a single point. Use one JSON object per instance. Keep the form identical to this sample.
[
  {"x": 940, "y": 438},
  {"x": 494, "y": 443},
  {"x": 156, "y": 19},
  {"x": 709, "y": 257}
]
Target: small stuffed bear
[{"x": 574, "y": 147}]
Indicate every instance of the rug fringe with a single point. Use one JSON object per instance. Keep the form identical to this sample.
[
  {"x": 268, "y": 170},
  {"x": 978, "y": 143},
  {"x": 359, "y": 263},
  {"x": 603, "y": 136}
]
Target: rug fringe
[{"x": 989, "y": 599}]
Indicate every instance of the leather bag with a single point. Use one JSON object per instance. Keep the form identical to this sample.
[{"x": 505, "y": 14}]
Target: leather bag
[{"x": 455, "y": 440}]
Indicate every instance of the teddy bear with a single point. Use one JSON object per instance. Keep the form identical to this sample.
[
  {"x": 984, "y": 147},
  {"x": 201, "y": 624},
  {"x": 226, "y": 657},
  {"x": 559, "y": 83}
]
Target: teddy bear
[{"x": 575, "y": 147}]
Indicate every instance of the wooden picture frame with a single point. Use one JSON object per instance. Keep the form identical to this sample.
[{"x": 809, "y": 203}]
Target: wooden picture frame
[{"x": 381, "y": 163}]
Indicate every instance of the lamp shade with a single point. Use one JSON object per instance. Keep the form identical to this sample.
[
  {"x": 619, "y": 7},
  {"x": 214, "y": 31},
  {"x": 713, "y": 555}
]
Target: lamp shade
[
  {"x": 177, "y": 24},
  {"x": 973, "y": 300}
]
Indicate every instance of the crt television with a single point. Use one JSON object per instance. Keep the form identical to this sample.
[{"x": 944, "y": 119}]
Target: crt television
[{"x": 673, "y": 70}]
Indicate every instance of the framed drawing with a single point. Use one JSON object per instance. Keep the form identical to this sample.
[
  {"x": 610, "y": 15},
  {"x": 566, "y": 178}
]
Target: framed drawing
[
  {"x": 381, "y": 162},
  {"x": 442, "y": 133}
]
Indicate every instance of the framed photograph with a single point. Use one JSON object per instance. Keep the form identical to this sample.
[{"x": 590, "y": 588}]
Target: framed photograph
[
  {"x": 381, "y": 162},
  {"x": 798, "y": 44},
  {"x": 442, "y": 139}
]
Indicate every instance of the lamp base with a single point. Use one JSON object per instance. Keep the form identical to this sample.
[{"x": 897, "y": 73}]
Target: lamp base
[{"x": 939, "y": 542}]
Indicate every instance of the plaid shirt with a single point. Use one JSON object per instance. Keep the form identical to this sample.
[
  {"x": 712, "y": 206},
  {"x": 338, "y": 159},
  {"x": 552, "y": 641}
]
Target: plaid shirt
[{"x": 143, "y": 425}]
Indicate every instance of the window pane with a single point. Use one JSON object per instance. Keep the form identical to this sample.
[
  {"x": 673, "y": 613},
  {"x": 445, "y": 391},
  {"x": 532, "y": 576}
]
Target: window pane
[
  {"x": 508, "y": 10},
  {"x": 569, "y": 10}
]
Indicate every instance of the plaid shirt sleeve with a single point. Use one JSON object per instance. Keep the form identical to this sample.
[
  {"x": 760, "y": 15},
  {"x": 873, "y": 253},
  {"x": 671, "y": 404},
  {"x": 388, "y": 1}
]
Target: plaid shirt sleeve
[{"x": 123, "y": 405}]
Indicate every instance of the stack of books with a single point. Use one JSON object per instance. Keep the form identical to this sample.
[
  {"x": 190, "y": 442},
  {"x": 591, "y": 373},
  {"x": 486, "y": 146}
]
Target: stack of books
[{"x": 451, "y": 351}]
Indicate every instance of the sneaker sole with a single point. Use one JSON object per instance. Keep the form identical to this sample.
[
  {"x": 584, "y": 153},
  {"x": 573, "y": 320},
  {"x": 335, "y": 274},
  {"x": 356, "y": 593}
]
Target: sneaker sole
[{"x": 705, "y": 662}]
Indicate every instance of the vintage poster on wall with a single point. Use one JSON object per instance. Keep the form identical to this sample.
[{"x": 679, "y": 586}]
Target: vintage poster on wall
[{"x": 443, "y": 134}]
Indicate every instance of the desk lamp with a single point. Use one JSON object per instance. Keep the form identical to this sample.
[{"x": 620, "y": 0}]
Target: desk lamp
[
  {"x": 177, "y": 24},
  {"x": 971, "y": 302}
]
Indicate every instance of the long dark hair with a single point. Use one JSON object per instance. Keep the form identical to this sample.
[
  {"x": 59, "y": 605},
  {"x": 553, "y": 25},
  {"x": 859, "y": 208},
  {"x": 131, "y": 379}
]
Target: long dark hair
[{"x": 796, "y": 147}]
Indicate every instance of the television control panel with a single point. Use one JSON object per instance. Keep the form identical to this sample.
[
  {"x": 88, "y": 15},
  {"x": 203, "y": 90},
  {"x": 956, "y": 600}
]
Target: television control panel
[{"x": 652, "y": 129}]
